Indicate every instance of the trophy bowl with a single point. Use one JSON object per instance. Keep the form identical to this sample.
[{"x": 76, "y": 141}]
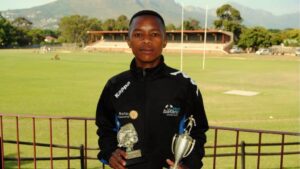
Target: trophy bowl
[{"x": 182, "y": 146}]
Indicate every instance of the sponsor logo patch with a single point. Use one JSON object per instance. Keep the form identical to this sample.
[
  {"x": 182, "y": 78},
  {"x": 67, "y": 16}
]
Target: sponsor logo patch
[
  {"x": 123, "y": 115},
  {"x": 133, "y": 114},
  {"x": 171, "y": 110}
]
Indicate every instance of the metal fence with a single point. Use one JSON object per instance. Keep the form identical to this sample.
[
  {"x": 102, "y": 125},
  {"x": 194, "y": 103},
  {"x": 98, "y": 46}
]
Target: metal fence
[{"x": 20, "y": 135}]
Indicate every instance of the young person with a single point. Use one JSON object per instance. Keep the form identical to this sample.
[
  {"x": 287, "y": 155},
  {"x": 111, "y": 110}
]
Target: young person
[{"x": 155, "y": 98}]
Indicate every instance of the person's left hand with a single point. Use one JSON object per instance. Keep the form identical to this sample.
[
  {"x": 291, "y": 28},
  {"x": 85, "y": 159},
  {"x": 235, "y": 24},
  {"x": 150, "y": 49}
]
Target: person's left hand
[{"x": 171, "y": 164}]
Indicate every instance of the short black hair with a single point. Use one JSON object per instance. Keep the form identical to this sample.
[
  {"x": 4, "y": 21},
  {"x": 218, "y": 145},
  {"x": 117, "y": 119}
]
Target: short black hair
[{"x": 148, "y": 12}]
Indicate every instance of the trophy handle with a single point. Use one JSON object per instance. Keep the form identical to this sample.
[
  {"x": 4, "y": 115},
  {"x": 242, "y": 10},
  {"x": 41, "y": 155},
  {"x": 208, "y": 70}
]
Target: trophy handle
[
  {"x": 174, "y": 138},
  {"x": 191, "y": 149}
]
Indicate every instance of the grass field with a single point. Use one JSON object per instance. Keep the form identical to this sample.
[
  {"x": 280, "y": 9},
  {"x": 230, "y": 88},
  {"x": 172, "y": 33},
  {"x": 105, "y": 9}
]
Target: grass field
[{"x": 33, "y": 83}]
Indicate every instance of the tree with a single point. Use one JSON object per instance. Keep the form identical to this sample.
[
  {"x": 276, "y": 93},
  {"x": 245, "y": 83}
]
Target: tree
[
  {"x": 122, "y": 23},
  {"x": 94, "y": 24},
  {"x": 36, "y": 36},
  {"x": 276, "y": 38},
  {"x": 253, "y": 38},
  {"x": 291, "y": 34},
  {"x": 170, "y": 27},
  {"x": 109, "y": 25},
  {"x": 22, "y": 23},
  {"x": 23, "y": 26},
  {"x": 74, "y": 28},
  {"x": 50, "y": 32},
  {"x": 6, "y": 32},
  {"x": 22, "y": 38},
  {"x": 291, "y": 37},
  {"x": 229, "y": 20},
  {"x": 191, "y": 24}
]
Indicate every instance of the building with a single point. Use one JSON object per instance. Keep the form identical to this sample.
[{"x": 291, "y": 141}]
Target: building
[
  {"x": 217, "y": 40},
  {"x": 50, "y": 39}
]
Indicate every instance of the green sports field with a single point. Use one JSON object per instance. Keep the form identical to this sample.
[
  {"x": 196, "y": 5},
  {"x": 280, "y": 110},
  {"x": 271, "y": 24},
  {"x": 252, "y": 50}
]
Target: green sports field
[{"x": 36, "y": 84}]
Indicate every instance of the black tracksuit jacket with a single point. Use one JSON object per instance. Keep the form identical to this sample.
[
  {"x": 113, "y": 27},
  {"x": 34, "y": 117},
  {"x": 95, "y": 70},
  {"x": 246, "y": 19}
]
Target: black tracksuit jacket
[{"x": 163, "y": 98}]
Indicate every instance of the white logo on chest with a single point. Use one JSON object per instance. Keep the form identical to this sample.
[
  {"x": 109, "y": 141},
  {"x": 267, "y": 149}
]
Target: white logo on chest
[
  {"x": 170, "y": 110},
  {"x": 122, "y": 89}
]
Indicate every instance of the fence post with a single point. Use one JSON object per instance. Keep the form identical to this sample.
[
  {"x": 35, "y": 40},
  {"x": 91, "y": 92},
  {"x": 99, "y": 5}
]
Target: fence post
[
  {"x": 243, "y": 154},
  {"x": 81, "y": 156}
]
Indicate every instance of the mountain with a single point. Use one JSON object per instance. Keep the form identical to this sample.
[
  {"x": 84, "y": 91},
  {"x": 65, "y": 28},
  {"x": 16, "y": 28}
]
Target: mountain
[
  {"x": 48, "y": 15},
  {"x": 257, "y": 17}
]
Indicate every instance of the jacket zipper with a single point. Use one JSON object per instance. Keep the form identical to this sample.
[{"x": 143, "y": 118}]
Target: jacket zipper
[{"x": 144, "y": 81}]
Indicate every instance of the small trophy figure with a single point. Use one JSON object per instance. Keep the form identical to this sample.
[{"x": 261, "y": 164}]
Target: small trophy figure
[
  {"x": 127, "y": 137},
  {"x": 183, "y": 144}
]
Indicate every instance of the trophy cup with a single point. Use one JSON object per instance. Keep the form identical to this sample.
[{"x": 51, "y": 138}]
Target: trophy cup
[
  {"x": 127, "y": 137},
  {"x": 183, "y": 144}
]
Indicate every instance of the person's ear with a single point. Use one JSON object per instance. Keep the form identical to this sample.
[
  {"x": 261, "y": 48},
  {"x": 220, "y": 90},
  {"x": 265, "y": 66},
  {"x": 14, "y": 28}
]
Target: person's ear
[
  {"x": 164, "y": 44},
  {"x": 165, "y": 41}
]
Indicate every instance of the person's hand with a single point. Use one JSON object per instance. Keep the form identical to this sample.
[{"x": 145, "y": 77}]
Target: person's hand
[
  {"x": 171, "y": 164},
  {"x": 116, "y": 160}
]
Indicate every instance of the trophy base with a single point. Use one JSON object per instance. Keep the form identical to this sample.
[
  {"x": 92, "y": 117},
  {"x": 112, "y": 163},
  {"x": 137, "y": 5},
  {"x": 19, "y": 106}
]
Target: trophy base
[{"x": 134, "y": 161}]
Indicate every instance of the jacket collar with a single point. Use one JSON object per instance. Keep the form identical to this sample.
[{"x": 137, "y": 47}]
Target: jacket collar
[{"x": 148, "y": 73}]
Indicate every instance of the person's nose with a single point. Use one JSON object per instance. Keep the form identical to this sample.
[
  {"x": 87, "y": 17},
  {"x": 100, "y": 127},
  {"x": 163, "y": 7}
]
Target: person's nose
[{"x": 147, "y": 39}]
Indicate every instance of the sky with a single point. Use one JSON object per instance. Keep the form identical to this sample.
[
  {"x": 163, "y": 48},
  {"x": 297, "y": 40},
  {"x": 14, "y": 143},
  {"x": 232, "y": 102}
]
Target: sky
[{"x": 276, "y": 7}]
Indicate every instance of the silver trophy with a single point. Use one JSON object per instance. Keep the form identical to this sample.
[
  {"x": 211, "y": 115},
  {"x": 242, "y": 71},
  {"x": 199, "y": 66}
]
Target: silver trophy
[
  {"x": 127, "y": 137},
  {"x": 183, "y": 144}
]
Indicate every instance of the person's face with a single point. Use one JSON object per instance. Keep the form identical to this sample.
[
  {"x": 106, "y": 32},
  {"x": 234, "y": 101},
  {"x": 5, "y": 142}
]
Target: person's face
[{"x": 147, "y": 39}]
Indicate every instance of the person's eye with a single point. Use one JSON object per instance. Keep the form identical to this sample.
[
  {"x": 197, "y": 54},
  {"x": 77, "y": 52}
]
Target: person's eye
[
  {"x": 137, "y": 35},
  {"x": 155, "y": 34}
]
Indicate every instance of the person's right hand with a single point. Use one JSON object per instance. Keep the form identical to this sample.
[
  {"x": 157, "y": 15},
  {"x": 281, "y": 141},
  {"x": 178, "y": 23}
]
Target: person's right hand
[
  {"x": 116, "y": 161},
  {"x": 171, "y": 164}
]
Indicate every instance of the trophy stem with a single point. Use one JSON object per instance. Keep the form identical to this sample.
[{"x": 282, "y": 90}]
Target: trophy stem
[{"x": 175, "y": 165}]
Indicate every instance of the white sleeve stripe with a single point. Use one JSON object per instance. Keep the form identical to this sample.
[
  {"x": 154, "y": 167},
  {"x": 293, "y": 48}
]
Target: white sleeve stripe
[{"x": 187, "y": 77}]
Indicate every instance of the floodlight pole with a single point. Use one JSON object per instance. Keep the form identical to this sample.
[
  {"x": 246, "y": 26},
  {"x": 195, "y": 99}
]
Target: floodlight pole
[
  {"x": 205, "y": 35},
  {"x": 181, "y": 49}
]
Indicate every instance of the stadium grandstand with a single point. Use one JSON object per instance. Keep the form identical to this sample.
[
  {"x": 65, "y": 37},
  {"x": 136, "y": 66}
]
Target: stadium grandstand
[{"x": 193, "y": 40}]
